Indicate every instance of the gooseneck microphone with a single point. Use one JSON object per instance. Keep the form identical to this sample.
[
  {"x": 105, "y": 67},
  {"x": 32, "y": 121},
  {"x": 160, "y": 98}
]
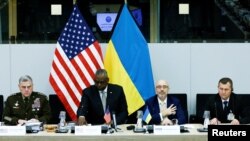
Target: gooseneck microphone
[{"x": 114, "y": 121}]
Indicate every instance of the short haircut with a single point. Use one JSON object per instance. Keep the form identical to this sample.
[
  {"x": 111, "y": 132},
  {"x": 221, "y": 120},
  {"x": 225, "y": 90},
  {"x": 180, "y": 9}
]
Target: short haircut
[
  {"x": 25, "y": 78},
  {"x": 102, "y": 72},
  {"x": 226, "y": 80}
]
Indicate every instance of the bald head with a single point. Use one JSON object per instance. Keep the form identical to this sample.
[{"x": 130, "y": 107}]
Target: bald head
[
  {"x": 162, "y": 82},
  {"x": 162, "y": 88}
]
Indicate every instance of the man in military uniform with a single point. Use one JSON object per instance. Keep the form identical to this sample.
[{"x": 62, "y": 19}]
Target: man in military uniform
[{"x": 26, "y": 105}]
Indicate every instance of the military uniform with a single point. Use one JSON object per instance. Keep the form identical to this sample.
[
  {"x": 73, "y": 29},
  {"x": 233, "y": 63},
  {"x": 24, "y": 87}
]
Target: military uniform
[{"x": 37, "y": 107}]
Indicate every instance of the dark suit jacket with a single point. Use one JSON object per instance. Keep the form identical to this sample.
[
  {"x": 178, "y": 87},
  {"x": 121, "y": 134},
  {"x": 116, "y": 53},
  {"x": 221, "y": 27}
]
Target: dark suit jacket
[
  {"x": 91, "y": 104},
  {"x": 215, "y": 106},
  {"x": 154, "y": 109},
  {"x": 14, "y": 108}
]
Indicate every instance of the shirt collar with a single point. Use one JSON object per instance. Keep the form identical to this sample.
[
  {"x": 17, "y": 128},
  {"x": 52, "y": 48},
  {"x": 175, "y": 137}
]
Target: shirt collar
[
  {"x": 225, "y": 100},
  {"x": 105, "y": 90},
  {"x": 162, "y": 102}
]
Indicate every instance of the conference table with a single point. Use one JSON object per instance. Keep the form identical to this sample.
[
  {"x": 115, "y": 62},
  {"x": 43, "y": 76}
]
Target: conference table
[{"x": 120, "y": 135}]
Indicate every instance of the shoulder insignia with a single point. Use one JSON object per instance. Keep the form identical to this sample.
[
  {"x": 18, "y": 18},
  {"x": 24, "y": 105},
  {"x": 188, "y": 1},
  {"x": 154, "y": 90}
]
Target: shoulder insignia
[{"x": 15, "y": 94}]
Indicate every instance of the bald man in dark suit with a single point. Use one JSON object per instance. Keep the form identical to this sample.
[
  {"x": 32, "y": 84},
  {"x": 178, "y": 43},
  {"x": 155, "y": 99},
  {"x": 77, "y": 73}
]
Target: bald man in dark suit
[
  {"x": 92, "y": 110},
  {"x": 164, "y": 107}
]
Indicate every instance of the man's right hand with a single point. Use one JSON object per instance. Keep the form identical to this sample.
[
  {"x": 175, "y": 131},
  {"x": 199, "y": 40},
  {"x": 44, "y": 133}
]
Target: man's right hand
[
  {"x": 82, "y": 120},
  {"x": 171, "y": 110}
]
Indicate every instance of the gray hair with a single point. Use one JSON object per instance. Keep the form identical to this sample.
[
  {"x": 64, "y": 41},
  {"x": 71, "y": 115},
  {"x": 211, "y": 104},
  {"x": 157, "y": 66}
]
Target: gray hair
[
  {"x": 25, "y": 78},
  {"x": 102, "y": 72}
]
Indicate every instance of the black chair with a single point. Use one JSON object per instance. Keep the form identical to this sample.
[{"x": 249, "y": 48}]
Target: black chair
[
  {"x": 245, "y": 99},
  {"x": 1, "y": 107},
  {"x": 56, "y": 106},
  {"x": 183, "y": 99},
  {"x": 200, "y": 106}
]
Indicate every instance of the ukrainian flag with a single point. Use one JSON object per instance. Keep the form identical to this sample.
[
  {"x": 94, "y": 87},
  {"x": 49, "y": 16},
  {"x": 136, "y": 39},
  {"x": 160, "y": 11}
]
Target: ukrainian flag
[
  {"x": 128, "y": 63},
  {"x": 146, "y": 116}
]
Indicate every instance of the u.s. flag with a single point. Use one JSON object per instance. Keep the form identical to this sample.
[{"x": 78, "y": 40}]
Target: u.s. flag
[
  {"x": 107, "y": 116},
  {"x": 77, "y": 56}
]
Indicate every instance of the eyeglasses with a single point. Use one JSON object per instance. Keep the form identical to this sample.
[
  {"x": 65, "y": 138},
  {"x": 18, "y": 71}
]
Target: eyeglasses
[
  {"x": 100, "y": 82},
  {"x": 162, "y": 86}
]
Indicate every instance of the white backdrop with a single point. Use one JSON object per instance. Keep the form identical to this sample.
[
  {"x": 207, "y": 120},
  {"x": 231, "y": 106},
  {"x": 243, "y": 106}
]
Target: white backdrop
[{"x": 189, "y": 67}]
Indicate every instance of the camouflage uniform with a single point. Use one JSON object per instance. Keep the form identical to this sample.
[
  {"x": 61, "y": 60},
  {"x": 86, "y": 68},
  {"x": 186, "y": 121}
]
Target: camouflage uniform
[{"x": 38, "y": 107}]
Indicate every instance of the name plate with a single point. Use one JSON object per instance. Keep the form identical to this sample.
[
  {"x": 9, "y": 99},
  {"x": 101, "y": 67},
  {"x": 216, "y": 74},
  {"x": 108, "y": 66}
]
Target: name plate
[
  {"x": 12, "y": 130},
  {"x": 88, "y": 130},
  {"x": 166, "y": 130}
]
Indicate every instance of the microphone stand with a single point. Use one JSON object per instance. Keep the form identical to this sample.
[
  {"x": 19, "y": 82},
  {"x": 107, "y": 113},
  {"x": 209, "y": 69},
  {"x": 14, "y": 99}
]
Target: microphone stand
[
  {"x": 114, "y": 122},
  {"x": 139, "y": 127}
]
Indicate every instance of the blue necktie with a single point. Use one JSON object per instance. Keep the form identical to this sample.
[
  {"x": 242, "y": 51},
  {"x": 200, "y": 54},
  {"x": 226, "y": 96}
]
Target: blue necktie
[{"x": 225, "y": 105}]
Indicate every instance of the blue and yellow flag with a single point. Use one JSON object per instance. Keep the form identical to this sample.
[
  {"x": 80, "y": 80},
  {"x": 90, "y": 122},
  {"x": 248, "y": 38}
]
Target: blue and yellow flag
[
  {"x": 128, "y": 63},
  {"x": 146, "y": 116}
]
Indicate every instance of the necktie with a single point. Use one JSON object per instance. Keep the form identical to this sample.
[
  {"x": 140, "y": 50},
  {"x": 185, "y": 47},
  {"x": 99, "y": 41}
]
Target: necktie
[
  {"x": 225, "y": 105},
  {"x": 103, "y": 100},
  {"x": 26, "y": 101}
]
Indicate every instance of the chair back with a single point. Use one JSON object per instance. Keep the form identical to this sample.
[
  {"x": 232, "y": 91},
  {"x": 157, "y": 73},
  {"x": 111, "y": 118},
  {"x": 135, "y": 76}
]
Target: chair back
[
  {"x": 183, "y": 99},
  {"x": 1, "y": 107},
  {"x": 56, "y": 106}
]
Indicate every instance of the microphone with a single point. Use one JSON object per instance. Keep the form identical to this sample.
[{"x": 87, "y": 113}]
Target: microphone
[
  {"x": 206, "y": 117},
  {"x": 139, "y": 126},
  {"x": 139, "y": 119},
  {"x": 114, "y": 121},
  {"x": 62, "y": 124}
]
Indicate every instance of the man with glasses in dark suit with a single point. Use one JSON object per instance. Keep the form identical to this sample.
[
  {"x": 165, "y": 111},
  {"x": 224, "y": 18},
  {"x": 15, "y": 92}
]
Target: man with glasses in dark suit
[{"x": 164, "y": 108}]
